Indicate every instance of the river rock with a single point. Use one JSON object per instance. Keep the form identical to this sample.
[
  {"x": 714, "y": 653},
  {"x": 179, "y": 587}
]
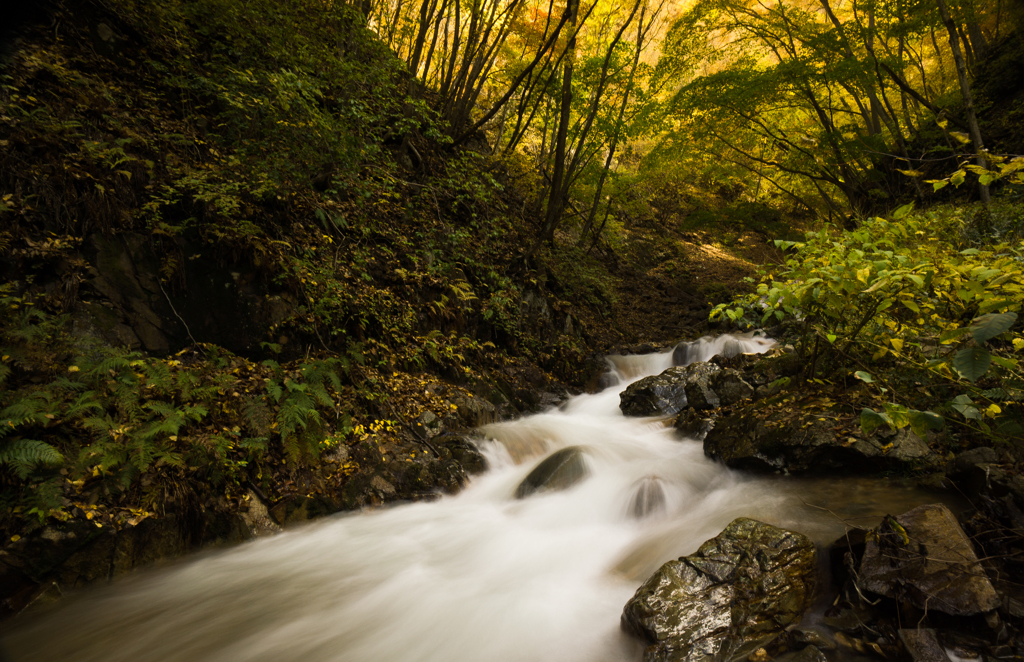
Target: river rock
[
  {"x": 648, "y": 498},
  {"x": 657, "y": 395},
  {"x": 560, "y": 470},
  {"x": 694, "y": 424},
  {"x": 738, "y": 590},
  {"x": 930, "y": 563},
  {"x": 698, "y": 386},
  {"x": 809, "y": 443}
]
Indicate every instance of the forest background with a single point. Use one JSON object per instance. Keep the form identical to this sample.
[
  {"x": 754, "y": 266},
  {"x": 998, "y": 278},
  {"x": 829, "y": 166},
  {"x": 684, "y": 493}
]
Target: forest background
[{"x": 273, "y": 254}]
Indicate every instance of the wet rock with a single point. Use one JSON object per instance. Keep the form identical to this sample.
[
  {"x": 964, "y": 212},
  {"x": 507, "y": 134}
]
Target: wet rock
[
  {"x": 648, "y": 498},
  {"x": 923, "y": 645},
  {"x": 799, "y": 444},
  {"x": 737, "y": 591},
  {"x": 993, "y": 481},
  {"x": 730, "y": 387},
  {"x": 671, "y": 391},
  {"x": 967, "y": 460},
  {"x": 463, "y": 451},
  {"x": 924, "y": 558},
  {"x": 429, "y": 424},
  {"x": 474, "y": 411},
  {"x": 563, "y": 468},
  {"x": 694, "y": 424},
  {"x": 807, "y": 654},
  {"x": 811, "y": 637}
]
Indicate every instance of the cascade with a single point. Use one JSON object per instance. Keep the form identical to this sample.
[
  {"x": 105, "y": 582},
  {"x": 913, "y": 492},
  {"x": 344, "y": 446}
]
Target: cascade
[{"x": 494, "y": 573}]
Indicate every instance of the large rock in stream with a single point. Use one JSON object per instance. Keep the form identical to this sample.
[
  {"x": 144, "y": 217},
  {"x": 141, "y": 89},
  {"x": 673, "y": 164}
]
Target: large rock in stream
[
  {"x": 810, "y": 441},
  {"x": 560, "y": 470},
  {"x": 737, "y": 591},
  {"x": 923, "y": 557},
  {"x": 698, "y": 385}
]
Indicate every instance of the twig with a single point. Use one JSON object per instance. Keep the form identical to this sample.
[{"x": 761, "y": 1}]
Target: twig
[{"x": 161, "y": 285}]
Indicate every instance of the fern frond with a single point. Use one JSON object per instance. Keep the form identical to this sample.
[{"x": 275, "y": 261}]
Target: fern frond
[
  {"x": 5, "y": 372},
  {"x": 321, "y": 395},
  {"x": 65, "y": 384},
  {"x": 85, "y": 402},
  {"x": 160, "y": 408},
  {"x": 195, "y": 412},
  {"x": 254, "y": 443},
  {"x": 110, "y": 364},
  {"x": 23, "y": 455},
  {"x": 98, "y": 424},
  {"x": 275, "y": 390},
  {"x": 159, "y": 376}
]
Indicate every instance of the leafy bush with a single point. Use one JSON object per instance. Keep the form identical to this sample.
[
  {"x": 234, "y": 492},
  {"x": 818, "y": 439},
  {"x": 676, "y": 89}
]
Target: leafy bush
[{"x": 900, "y": 301}]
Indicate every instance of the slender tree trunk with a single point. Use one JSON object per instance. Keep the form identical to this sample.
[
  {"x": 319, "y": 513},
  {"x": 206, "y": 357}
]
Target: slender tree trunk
[
  {"x": 556, "y": 203},
  {"x": 615, "y": 134},
  {"x": 965, "y": 89}
]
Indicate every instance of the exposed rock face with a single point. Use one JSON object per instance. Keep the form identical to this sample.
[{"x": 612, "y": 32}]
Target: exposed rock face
[
  {"x": 698, "y": 386},
  {"x": 739, "y": 589},
  {"x": 563, "y": 468},
  {"x": 798, "y": 445},
  {"x": 930, "y": 563}
]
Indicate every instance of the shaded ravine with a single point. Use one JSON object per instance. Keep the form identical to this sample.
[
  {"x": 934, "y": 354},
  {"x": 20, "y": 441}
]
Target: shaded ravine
[{"x": 478, "y": 576}]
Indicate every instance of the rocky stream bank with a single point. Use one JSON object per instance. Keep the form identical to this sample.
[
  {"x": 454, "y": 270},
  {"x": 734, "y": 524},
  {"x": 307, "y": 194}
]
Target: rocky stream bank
[{"x": 928, "y": 585}]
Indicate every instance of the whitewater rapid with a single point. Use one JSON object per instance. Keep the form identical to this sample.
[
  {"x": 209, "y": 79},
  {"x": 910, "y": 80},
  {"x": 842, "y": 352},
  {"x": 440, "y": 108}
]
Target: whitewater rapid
[{"x": 471, "y": 577}]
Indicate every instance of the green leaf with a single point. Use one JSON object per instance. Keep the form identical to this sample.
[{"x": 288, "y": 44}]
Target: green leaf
[
  {"x": 831, "y": 337},
  {"x": 989, "y": 326},
  {"x": 871, "y": 420},
  {"x": 965, "y": 406},
  {"x": 902, "y": 211},
  {"x": 949, "y": 335},
  {"x": 864, "y": 376},
  {"x": 972, "y": 362},
  {"x": 922, "y": 421}
]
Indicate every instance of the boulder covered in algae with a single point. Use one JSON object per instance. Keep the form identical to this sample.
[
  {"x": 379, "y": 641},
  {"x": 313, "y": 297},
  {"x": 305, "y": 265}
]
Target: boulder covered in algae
[
  {"x": 560, "y": 470},
  {"x": 698, "y": 386},
  {"x": 924, "y": 558},
  {"x": 737, "y": 591}
]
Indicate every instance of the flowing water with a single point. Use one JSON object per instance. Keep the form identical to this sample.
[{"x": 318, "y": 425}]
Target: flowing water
[{"x": 477, "y": 576}]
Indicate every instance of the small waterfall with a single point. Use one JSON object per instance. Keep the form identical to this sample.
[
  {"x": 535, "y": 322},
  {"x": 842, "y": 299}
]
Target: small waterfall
[{"x": 477, "y": 576}]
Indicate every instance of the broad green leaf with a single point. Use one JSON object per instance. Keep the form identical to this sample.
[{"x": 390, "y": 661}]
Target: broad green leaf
[
  {"x": 965, "y": 406},
  {"x": 916, "y": 280},
  {"x": 989, "y": 326},
  {"x": 871, "y": 420},
  {"x": 911, "y": 305},
  {"x": 903, "y": 211},
  {"x": 972, "y": 362},
  {"x": 864, "y": 376},
  {"x": 922, "y": 421},
  {"x": 831, "y": 337},
  {"x": 1009, "y": 364},
  {"x": 880, "y": 283},
  {"x": 899, "y": 415}
]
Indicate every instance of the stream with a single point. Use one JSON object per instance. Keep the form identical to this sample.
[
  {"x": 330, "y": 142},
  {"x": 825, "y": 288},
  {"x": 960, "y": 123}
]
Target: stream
[{"x": 476, "y": 576}]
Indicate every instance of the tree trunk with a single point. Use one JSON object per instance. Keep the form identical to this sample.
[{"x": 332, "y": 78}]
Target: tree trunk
[{"x": 965, "y": 90}]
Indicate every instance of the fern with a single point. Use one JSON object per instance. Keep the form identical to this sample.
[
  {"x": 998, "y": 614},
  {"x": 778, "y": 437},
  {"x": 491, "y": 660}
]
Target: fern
[
  {"x": 23, "y": 455},
  {"x": 86, "y": 402},
  {"x": 5, "y": 372},
  {"x": 110, "y": 366},
  {"x": 275, "y": 390},
  {"x": 34, "y": 408}
]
